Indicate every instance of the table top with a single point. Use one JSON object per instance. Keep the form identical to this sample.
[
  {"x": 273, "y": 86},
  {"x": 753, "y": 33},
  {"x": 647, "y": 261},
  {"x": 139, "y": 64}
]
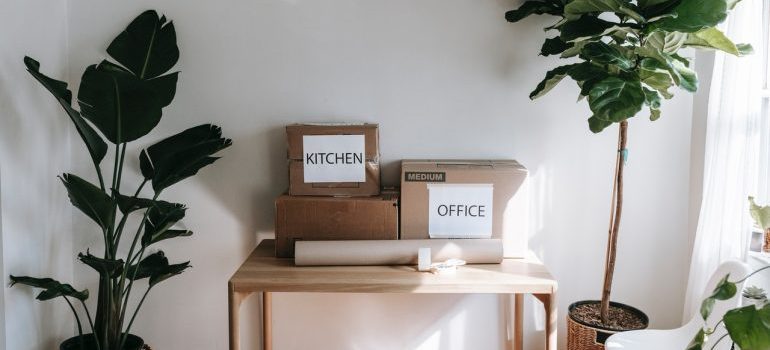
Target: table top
[{"x": 263, "y": 272}]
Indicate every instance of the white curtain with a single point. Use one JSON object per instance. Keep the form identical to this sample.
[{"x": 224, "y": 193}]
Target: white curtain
[{"x": 731, "y": 152}]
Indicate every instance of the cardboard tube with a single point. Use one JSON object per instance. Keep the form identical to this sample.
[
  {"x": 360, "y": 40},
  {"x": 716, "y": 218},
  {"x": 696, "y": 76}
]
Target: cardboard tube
[{"x": 400, "y": 252}]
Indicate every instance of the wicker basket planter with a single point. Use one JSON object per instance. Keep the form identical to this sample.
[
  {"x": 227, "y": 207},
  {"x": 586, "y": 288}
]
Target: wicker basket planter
[
  {"x": 766, "y": 247},
  {"x": 581, "y": 336}
]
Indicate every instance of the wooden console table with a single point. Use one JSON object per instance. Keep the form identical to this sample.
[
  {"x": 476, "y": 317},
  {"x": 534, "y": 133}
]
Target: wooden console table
[{"x": 264, "y": 273}]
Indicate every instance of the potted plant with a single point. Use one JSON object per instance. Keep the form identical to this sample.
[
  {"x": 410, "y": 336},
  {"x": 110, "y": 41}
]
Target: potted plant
[
  {"x": 748, "y": 326},
  {"x": 124, "y": 102},
  {"x": 754, "y": 295},
  {"x": 761, "y": 216},
  {"x": 624, "y": 56}
]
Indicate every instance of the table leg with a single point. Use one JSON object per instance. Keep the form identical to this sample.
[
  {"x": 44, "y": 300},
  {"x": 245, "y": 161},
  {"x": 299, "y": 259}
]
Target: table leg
[
  {"x": 549, "y": 302},
  {"x": 518, "y": 319},
  {"x": 267, "y": 321},
  {"x": 234, "y": 300}
]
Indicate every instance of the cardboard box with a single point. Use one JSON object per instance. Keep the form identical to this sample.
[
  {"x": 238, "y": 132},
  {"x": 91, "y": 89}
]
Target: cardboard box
[
  {"x": 334, "y": 218},
  {"x": 333, "y": 159},
  {"x": 466, "y": 199}
]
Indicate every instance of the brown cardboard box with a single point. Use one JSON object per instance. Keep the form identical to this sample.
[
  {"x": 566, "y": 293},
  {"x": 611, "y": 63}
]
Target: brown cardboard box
[
  {"x": 509, "y": 202},
  {"x": 334, "y": 218},
  {"x": 371, "y": 157}
]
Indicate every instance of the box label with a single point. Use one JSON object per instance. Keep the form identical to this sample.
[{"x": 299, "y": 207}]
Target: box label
[
  {"x": 460, "y": 210},
  {"x": 334, "y": 158},
  {"x": 424, "y": 176}
]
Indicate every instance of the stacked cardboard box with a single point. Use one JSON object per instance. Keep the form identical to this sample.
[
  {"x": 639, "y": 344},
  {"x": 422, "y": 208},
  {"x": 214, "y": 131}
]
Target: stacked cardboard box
[
  {"x": 466, "y": 199},
  {"x": 334, "y": 187}
]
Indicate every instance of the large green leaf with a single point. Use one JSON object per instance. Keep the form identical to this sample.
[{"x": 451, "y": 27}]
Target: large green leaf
[
  {"x": 682, "y": 76},
  {"x": 749, "y": 327},
  {"x": 51, "y": 288},
  {"x": 97, "y": 148},
  {"x": 123, "y": 107},
  {"x": 667, "y": 42},
  {"x": 761, "y": 215},
  {"x": 105, "y": 267},
  {"x": 688, "y": 79},
  {"x": 587, "y": 27},
  {"x": 147, "y": 47},
  {"x": 655, "y": 75},
  {"x": 575, "y": 8},
  {"x": 654, "y": 10},
  {"x": 554, "y": 46},
  {"x": 603, "y": 53},
  {"x": 597, "y": 125},
  {"x": 96, "y": 204},
  {"x": 694, "y": 15},
  {"x": 155, "y": 267},
  {"x": 713, "y": 38},
  {"x": 161, "y": 216},
  {"x": 182, "y": 155},
  {"x": 552, "y": 78},
  {"x": 616, "y": 99},
  {"x": 652, "y": 100}
]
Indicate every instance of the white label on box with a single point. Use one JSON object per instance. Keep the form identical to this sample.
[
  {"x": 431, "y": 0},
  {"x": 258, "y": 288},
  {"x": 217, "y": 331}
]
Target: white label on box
[
  {"x": 334, "y": 158},
  {"x": 460, "y": 210}
]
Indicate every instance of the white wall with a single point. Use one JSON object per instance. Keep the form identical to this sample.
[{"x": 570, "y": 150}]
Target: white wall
[
  {"x": 34, "y": 148},
  {"x": 443, "y": 79}
]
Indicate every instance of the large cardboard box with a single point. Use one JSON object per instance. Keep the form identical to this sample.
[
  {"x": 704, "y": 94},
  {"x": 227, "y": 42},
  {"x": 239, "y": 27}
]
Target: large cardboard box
[
  {"x": 466, "y": 199},
  {"x": 334, "y": 218},
  {"x": 333, "y": 159}
]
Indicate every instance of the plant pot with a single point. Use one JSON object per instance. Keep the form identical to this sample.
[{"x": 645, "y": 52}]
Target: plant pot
[
  {"x": 582, "y": 335},
  {"x": 132, "y": 343}
]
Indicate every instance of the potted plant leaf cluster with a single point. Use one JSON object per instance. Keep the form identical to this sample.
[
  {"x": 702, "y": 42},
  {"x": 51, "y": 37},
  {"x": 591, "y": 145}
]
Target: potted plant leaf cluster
[
  {"x": 625, "y": 56},
  {"x": 124, "y": 102}
]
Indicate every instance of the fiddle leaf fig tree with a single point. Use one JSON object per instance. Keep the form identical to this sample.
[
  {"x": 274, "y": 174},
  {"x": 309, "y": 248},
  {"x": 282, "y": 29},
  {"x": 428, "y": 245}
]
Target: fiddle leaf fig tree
[
  {"x": 625, "y": 56},
  {"x": 120, "y": 102}
]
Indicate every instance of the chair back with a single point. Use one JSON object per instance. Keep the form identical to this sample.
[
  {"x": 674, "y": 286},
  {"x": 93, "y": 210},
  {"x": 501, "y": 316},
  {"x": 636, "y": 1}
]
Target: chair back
[{"x": 737, "y": 270}]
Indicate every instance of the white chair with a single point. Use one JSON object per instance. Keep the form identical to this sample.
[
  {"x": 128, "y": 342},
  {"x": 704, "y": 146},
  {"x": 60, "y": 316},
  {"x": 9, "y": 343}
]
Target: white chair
[{"x": 679, "y": 338}]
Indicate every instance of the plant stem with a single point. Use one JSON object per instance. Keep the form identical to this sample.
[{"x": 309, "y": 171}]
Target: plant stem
[
  {"x": 752, "y": 274},
  {"x": 130, "y": 323},
  {"x": 80, "y": 326},
  {"x": 617, "y": 202},
  {"x": 719, "y": 340},
  {"x": 91, "y": 323},
  {"x": 121, "y": 225}
]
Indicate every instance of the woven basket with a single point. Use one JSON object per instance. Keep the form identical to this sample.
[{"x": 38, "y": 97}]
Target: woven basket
[
  {"x": 766, "y": 247},
  {"x": 584, "y": 337}
]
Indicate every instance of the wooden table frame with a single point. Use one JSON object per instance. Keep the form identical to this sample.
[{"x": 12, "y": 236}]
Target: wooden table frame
[{"x": 263, "y": 273}]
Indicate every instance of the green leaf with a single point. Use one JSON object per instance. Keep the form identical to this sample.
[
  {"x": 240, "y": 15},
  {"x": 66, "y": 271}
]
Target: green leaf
[
  {"x": 658, "y": 9},
  {"x": 724, "y": 290},
  {"x": 107, "y": 268},
  {"x": 534, "y": 8},
  {"x": 667, "y": 42},
  {"x": 160, "y": 218},
  {"x": 182, "y": 155},
  {"x": 574, "y": 50},
  {"x": 123, "y": 107},
  {"x": 147, "y": 47},
  {"x": 552, "y": 78},
  {"x": 51, "y": 288},
  {"x": 128, "y": 204},
  {"x": 554, "y": 46},
  {"x": 749, "y": 327},
  {"x": 597, "y": 125},
  {"x": 713, "y": 38},
  {"x": 694, "y": 15},
  {"x": 652, "y": 100},
  {"x": 683, "y": 76},
  {"x": 588, "y": 27},
  {"x": 96, "y": 204},
  {"x": 655, "y": 75},
  {"x": 688, "y": 78},
  {"x": 164, "y": 88},
  {"x": 600, "y": 52},
  {"x": 697, "y": 341},
  {"x": 575, "y": 8},
  {"x": 761, "y": 215},
  {"x": 155, "y": 267},
  {"x": 616, "y": 99},
  {"x": 97, "y": 148}
]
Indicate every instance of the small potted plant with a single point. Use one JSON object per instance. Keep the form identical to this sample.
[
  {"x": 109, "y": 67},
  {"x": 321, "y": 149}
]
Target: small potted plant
[
  {"x": 625, "y": 56},
  {"x": 754, "y": 295},
  {"x": 124, "y": 102},
  {"x": 761, "y": 216}
]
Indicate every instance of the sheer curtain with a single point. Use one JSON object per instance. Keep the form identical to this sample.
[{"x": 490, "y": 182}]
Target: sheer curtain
[{"x": 731, "y": 152}]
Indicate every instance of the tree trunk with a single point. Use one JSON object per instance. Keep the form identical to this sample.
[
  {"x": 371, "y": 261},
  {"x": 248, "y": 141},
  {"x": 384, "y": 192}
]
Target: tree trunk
[{"x": 615, "y": 213}]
